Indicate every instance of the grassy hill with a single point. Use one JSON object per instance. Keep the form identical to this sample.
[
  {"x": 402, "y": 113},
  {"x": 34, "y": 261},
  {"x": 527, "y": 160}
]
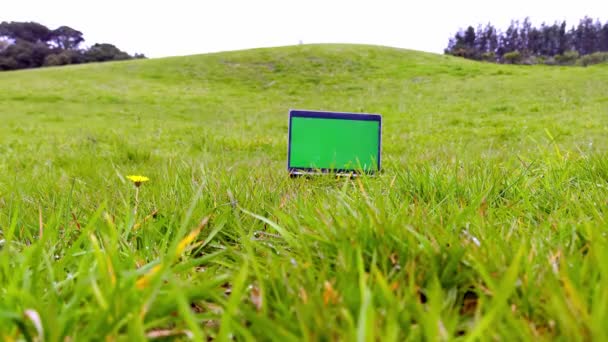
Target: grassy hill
[{"x": 488, "y": 221}]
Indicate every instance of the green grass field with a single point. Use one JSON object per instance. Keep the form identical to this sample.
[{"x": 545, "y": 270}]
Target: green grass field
[{"x": 488, "y": 221}]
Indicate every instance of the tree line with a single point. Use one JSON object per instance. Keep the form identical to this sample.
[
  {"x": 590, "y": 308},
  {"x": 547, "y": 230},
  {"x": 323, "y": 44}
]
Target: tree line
[
  {"x": 523, "y": 43},
  {"x": 32, "y": 45}
]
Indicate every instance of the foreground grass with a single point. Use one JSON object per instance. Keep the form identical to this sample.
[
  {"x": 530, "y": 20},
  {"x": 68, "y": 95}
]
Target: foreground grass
[{"x": 488, "y": 221}]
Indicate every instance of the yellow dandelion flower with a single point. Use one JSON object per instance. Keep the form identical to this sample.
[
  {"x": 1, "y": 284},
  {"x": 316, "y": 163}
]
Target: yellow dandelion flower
[{"x": 138, "y": 180}]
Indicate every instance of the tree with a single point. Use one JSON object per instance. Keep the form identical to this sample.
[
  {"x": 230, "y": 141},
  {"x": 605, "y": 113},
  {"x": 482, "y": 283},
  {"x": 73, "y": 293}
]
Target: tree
[
  {"x": 524, "y": 38},
  {"x": 464, "y": 45},
  {"x": 469, "y": 37},
  {"x": 8, "y": 63},
  {"x": 586, "y": 35},
  {"x": 553, "y": 39},
  {"x": 491, "y": 38},
  {"x": 563, "y": 40},
  {"x": 66, "y": 38},
  {"x": 29, "y": 31},
  {"x": 32, "y": 45},
  {"x": 105, "y": 52},
  {"x": 511, "y": 40},
  {"x": 456, "y": 46},
  {"x": 481, "y": 41},
  {"x": 64, "y": 57},
  {"x": 535, "y": 42},
  {"x": 4, "y": 43},
  {"x": 26, "y": 54},
  {"x": 603, "y": 36},
  {"x": 530, "y": 44}
]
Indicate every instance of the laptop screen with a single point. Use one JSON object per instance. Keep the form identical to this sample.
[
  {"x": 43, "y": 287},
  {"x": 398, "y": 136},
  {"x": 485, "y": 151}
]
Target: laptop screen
[{"x": 337, "y": 142}]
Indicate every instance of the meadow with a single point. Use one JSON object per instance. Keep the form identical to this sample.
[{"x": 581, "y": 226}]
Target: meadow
[{"x": 488, "y": 221}]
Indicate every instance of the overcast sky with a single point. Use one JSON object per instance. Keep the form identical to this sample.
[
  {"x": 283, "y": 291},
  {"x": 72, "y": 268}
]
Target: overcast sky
[{"x": 183, "y": 27}]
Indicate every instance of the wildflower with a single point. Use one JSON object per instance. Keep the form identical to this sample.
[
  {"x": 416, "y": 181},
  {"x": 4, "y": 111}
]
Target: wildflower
[{"x": 138, "y": 180}]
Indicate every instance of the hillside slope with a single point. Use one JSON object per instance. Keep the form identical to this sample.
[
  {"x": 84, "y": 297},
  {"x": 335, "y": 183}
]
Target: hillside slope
[
  {"x": 428, "y": 101},
  {"x": 488, "y": 220}
]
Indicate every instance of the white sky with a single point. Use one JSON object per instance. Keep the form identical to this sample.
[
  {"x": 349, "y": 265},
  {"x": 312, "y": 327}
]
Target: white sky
[{"x": 183, "y": 27}]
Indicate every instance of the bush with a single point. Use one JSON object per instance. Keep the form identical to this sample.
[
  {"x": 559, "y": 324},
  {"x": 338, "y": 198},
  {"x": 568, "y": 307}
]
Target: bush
[
  {"x": 488, "y": 57},
  {"x": 64, "y": 57},
  {"x": 8, "y": 63},
  {"x": 58, "y": 59},
  {"x": 54, "y": 59},
  {"x": 105, "y": 52},
  {"x": 513, "y": 57},
  {"x": 531, "y": 60},
  {"x": 594, "y": 58},
  {"x": 550, "y": 61},
  {"x": 568, "y": 58},
  {"x": 541, "y": 59}
]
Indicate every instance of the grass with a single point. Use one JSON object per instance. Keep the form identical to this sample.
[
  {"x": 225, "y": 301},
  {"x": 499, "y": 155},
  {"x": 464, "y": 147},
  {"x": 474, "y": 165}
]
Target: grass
[{"x": 488, "y": 221}]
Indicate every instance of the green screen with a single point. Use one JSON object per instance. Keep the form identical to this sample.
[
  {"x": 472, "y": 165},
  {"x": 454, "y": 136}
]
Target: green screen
[{"x": 322, "y": 143}]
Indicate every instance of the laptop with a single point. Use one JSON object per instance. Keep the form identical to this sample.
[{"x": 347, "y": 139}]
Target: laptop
[{"x": 333, "y": 142}]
